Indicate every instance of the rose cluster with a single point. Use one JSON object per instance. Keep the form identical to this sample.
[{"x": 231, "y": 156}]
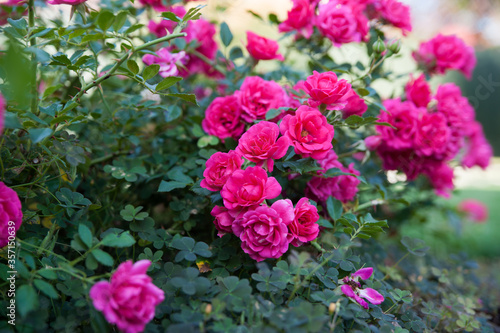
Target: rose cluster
[
  {"x": 265, "y": 231},
  {"x": 443, "y": 53},
  {"x": 428, "y": 132},
  {"x": 345, "y": 21},
  {"x": 172, "y": 62}
]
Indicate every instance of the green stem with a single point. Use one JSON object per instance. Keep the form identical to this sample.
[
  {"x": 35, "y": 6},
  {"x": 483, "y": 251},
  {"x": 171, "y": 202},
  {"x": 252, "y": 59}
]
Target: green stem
[
  {"x": 208, "y": 61},
  {"x": 121, "y": 61},
  {"x": 396, "y": 265},
  {"x": 368, "y": 204},
  {"x": 308, "y": 276},
  {"x": 34, "y": 87}
]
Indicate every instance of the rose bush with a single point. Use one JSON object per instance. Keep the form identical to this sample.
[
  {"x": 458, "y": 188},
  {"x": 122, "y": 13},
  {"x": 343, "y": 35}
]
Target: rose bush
[{"x": 155, "y": 178}]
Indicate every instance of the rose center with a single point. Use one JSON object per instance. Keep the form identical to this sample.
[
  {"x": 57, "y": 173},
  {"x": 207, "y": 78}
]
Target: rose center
[{"x": 304, "y": 133}]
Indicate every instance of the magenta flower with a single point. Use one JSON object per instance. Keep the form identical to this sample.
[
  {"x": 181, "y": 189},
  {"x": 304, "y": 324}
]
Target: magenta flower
[
  {"x": 299, "y": 18},
  {"x": 168, "y": 61},
  {"x": 218, "y": 168},
  {"x": 352, "y": 288},
  {"x": 261, "y": 48},
  {"x": 129, "y": 299},
  {"x": 475, "y": 210},
  {"x": 260, "y": 144},
  {"x": 11, "y": 215}
]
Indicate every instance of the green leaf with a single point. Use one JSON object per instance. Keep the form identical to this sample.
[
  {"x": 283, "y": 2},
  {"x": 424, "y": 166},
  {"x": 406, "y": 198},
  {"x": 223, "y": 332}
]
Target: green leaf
[
  {"x": 11, "y": 121},
  {"x": 150, "y": 71},
  {"x": 334, "y": 208},
  {"x": 124, "y": 239},
  {"x": 208, "y": 140},
  {"x": 120, "y": 20},
  {"x": 103, "y": 257},
  {"x": 235, "y": 53},
  {"x": 85, "y": 235},
  {"x": 105, "y": 20},
  {"x": 89, "y": 38},
  {"x": 171, "y": 16},
  {"x": 172, "y": 113},
  {"x": 274, "y": 19},
  {"x": 144, "y": 225},
  {"x": 170, "y": 185},
  {"x": 26, "y": 299},
  {"x": 273, "y": 113},
  {"x": 193, "y": 14},
  {"x": 184, "y": 243},
  {"x": 38, "y": 134},
  {"x": 133, "y": 28},
  {"x": 46, "y": 288},
  {"x": 167, "y": 82},
  {"x": 47, "y": 273},
  {"x": 225, "y": 34},
  {"x": 191, "y": 98},
  {"x": 132, "y": 65},
  {"x": 415, "y": 246}
]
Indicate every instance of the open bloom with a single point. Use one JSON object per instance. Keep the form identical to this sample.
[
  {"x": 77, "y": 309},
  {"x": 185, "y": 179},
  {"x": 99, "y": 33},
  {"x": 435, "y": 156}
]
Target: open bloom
[
  {"x": 309, "y": 132},
  {"x": 11, "y": 215},
  {"x": 396, "y": 13},
  {"x": 352, "y": 288},
  {"x": 299, "y": 18},
  {"x": 257, "y": 96},
  {"x": 219, "y": 167},
  {"x": 260, "y": 144},
  {"x": 418, "y": 91},
  {"x": 223, "y": 118},
  {"x": 304, "y": 227},
  {"x": 325, "y": 88},
  {"x": 261, "y": 48},
  {"x": 446, "y": 52},
  {"x": 129, "y": 299},
  {"x": 168, "y": 61},
  {"x": 247, "y": 189},
  {"x": 264, "y": 231}
]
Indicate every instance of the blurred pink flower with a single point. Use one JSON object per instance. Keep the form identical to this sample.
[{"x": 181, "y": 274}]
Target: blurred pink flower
[
  {"x": 475, "y": 210},
  {"x": 261, "y": 48},
  {"x": 299, "y": 18},
  {"x": 129, "y": 299},
  {"x": 168, "y": 61},
  {"x": 10, "y": 212}
]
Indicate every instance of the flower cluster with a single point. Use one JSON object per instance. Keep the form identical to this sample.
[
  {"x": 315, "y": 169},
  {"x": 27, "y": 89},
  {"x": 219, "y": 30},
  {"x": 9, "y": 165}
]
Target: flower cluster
[
  {"x": 345, "y": 21},
  {"x": 199, "y": 33},
  {"x": 475, "y": 210},
  {"x": 428, "y": 132},
  {"x": 265, "y": 231},
  {"x": 130, "y": 298},
  {"x": 443, "y": 53}
]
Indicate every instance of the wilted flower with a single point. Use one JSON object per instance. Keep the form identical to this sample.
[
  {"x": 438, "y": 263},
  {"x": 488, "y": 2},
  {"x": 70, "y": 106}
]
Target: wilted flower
[{"x": 352, "y": 288}]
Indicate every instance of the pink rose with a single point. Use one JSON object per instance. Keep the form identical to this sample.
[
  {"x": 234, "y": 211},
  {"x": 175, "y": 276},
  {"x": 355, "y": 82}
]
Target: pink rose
[
  {"x": 418, "y": 91},
  {"x": 156, "y": 4},
  {"x": 11, "y": 215},
  {"x": 261, "y": 48},
  {"x": 325, "y": 88},
  {"x": 260, "y": 144},
  {"x": 223, "y": 220},
  {"x": 168, "y": 61},
  {"x": 353, "y": 105},
  {"x": 441, "y": 176},
  {"x": 304, "y": 227},
  {"x": 446, "y": 52},
  {"x": 223, "y": 118},
  {"x": 203, "y": 33},
  {"x": 248, "y": 188},
  {"x": 433, "y": 134},
  {"x": 130, "y": 298},
  {"x": 163, "y": 27},
  {"x": 65, "y": 2},
  {"x": 475, "y": 210},
  {"x": 397, "y": 14},
  {"x": 309, "y": 132},
  {"x": 341, "y": 23},
  {"x": 299, "y": 18},
  {"x": 264, "y": 231},
  {"x": 343, "y": 188},
  {"x": 219, "y": 167},
  {"x": 373, "y": 142},
  {"x": 404, "y": 117},
  {"x": 478, "y": 151},
  {"x": 257, "y": 96}
]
